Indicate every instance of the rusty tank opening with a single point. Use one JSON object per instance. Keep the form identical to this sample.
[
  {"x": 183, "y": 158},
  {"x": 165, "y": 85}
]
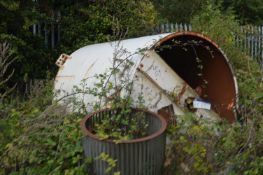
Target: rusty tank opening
[{"x": 199, "y": 61}]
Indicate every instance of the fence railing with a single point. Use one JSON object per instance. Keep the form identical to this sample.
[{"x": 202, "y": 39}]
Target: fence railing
[
  {"x": 170, "y": 27},
  {"x": 251, "y": 43},
  {"x": 49, "y": 30}
]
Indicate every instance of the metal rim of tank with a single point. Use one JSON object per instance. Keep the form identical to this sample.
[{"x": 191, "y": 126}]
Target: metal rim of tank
[
  {"x": 206, "y": 38},
  {"x": 142, "y": 139}
]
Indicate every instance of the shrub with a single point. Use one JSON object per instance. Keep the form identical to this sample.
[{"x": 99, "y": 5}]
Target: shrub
[
  {"x": 40, "y": 137},
  {"x": 199, "y": 147}
]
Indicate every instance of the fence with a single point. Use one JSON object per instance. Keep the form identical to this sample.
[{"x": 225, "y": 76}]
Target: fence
[
  {"x": 167, "y": 28},
  {"x": 251, "y": 43},
  {"x": 49, "y": 30}
]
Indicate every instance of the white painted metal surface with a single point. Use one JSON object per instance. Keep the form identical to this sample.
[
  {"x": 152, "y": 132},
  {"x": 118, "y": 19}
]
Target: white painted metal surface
[
  {"x": 95, "y": 59},
  {"x": 151, "y": 76}
]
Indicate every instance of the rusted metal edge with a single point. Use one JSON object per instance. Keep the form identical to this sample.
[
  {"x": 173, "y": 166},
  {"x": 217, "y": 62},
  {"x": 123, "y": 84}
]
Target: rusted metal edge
[
  {"x": 206, "y": 38},
  {"x": 154, "y": 135},
  {"x": 235, "y": 80},
  {"x": 177, "y": 34}
]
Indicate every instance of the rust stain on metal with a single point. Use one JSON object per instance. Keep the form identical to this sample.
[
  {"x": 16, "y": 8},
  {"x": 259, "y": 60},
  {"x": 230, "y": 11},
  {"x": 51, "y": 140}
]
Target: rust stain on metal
[
  {"x": 181, "y": 93},
  {"x": 215, "y": 82},
  {"x": 199, "y": 91},
  {"x": 64, "y": 77},
  {"x": 177, "y": 34}
]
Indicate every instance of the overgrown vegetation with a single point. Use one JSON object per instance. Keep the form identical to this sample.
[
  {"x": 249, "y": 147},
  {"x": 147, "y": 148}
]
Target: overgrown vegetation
[
  {"x": 178, "y": 11},
  {"x": 198, "y": 147},
  {"x": 81, "y": 22},
  {"x": 124, "y": 121},
  {"x": 36, "y": 137},
  {"x": 6, "y": 60}
]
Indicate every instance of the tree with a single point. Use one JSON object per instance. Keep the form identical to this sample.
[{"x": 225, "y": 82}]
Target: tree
[
  {"x": 33, "y": 59},
  {"x": 249, "y": 12},
  {"x": 81, "y": 23},
  {"x": 92, "y": 22},
  {"x": 6, "y": 59},
  {"x": 178, "y": 11}
]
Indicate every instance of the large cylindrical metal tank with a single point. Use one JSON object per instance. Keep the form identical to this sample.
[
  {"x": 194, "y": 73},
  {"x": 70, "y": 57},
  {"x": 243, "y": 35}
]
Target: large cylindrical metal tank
[{"x": 171, "y": 67}]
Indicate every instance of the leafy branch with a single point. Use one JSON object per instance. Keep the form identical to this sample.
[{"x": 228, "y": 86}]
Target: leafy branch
[{"x": 6, "y": 59}]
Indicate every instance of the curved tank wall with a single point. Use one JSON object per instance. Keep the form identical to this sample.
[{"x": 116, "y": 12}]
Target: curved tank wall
[
  {"x": 160, "y": 70},
  {"x": 204, "y": 66}
]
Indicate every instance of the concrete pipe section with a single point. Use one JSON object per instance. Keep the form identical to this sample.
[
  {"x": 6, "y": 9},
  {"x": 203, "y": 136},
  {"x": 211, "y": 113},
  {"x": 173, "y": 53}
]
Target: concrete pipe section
[{"x": 170, "y": 70}]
